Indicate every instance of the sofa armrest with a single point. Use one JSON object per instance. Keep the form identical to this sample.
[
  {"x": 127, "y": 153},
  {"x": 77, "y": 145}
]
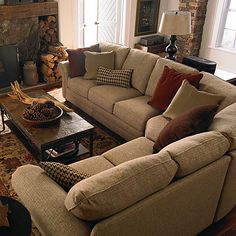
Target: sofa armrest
[
  {"x": 45, "y": 201},
  {"x": 64, "y": 69}
]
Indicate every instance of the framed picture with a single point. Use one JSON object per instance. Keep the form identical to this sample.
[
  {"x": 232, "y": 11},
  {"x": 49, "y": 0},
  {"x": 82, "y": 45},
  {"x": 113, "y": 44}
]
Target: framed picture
[{"x": 146, "y": 17}]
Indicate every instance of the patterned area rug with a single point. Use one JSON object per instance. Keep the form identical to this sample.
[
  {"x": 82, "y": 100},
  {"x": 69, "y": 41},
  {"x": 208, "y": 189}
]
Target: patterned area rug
[{"x": 14, "y": 154}]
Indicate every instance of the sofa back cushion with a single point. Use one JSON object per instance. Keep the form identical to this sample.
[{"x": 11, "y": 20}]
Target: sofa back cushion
[
  {"x": 212, "y": 84},
  {"x": 158, "y": 70},
  {"x": 194, "y": 152},
  {"x": 224, "y": 122},
  {"x": 113, "y": 190},
  {"x": 120, "y": 51},
  {"x": 154, "y": 126},
  {"x": 142, "y": 64}
]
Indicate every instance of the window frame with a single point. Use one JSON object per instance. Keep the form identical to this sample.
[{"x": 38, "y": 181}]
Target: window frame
[{"x": 220, "y": 34}]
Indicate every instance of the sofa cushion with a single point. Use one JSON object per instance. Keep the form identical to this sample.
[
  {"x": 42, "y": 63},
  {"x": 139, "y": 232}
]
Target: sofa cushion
[
  {"x": 169, "y": 84},
  {"x": 80, "y": 85},
  {"x": 106, "y": 96},
  {"x": 135, "y": 111},
  {"x": 95, "y": 59},
  {"x": 142, "y": 64},
  {"x": 76, "y": 59},
  {"x": 154, "y": 126},
  {"x": 158, "y": 70},
  {"x": 120, "y": 78},
  {"x": 224, "y": 122},
  {"x": 187, "y": 98},
  {"x": 66, "y": 176},
  {"x": 194, "y": 121},
  {"x": 194, "y": 152},
  {"x": 102, "y": 195},
  {"x": 120, "y": 51},
  {"x": 212, "y": 84},
  {"x": 128, "y": 151},
  {"x": 92, "y": 165}
]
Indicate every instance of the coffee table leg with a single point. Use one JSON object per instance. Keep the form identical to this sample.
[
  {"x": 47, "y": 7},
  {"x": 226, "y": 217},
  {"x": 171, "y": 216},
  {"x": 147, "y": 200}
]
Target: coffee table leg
[
  {"x": 91, "y": 143},
  {"x": 3, "y": 121}
]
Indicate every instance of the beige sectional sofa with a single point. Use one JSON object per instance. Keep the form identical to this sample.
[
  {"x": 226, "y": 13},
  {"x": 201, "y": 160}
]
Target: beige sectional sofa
[
  {"x": 181, "y": 190},
  {"x": 125, "y": 110}
]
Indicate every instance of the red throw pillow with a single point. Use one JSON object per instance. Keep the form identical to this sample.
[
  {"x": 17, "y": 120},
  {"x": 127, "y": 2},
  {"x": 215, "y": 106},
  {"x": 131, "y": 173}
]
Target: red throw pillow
[
  {"x": 76, "y": 59},
  {"x": 169, "y": 84},
  {"x": 195, "y": 121}
]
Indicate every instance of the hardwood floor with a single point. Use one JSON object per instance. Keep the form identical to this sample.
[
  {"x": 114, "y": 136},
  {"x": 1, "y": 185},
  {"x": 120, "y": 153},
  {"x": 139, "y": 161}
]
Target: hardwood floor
[{"x": 225, "y": 227}]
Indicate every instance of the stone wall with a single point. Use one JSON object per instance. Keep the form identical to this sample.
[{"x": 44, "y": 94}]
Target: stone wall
[
  {"x": 20, "y": 25},
  {"x": 190, "y": 44},
  {"x": 23, "y": 33}
]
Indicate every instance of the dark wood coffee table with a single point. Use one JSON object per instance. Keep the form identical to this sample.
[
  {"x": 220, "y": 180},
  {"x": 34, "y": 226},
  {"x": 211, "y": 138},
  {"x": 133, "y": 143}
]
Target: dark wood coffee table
[{"x": 68, "y": 131}]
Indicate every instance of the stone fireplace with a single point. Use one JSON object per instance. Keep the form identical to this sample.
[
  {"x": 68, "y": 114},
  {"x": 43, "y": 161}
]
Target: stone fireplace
[{"x": 21, "y": 25}]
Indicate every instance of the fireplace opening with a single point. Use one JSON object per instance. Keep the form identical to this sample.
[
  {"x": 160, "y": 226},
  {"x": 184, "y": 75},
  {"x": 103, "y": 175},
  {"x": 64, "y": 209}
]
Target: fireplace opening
[{"x": 9, "y": 65}]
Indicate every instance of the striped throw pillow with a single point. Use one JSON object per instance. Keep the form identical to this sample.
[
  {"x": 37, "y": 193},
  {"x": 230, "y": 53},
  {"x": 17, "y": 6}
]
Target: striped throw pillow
[
  {"x": 63, "y": 175},
  {"x": 120, "y": 78}
]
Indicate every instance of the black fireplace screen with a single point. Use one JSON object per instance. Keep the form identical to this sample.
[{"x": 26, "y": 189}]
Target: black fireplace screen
[{"x": 9, "y": 65}]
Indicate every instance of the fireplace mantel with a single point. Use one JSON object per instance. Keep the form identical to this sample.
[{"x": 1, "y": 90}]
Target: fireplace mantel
[{"x": 28, "y": 10}]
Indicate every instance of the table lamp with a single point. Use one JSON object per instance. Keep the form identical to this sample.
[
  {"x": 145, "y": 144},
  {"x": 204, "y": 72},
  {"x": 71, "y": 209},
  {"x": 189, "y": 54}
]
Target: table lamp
[{"x": 174, "y": 23}]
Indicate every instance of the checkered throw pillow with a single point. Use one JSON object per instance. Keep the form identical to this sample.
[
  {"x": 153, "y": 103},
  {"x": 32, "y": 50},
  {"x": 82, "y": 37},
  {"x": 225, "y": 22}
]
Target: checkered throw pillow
[
  {"x": 120, "y": 78},
  {"x": 64, "y": 175}
]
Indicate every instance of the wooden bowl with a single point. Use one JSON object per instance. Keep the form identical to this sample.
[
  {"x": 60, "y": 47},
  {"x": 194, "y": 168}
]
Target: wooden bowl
[{"x": 42, "y": 123}]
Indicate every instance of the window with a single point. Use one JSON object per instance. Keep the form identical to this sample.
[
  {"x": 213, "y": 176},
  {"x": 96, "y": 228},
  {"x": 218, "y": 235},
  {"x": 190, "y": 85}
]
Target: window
[{"x": 227, "y": 31}]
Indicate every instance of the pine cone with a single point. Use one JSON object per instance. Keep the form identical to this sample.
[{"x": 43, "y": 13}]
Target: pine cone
[
  {"x": 41, "y": 111},
  {"x": 49, "y": 104},
  {"x": 46, "y": 112},
  {"x": 38, "y": 106},
  {"x": 54, "y": 112}
]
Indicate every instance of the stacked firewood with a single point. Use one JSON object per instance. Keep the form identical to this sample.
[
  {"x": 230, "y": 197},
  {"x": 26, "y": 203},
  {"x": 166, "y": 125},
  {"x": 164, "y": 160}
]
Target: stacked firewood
[
  {"x": 48, "y": 32},
  {"x": 52, "y": 51},
  {"x": 50, "y": 60}
]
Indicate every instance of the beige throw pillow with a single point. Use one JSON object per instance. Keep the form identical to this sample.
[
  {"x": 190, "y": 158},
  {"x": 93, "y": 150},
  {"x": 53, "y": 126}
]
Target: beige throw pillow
[
  {"x": 187, "y": 98},
  {"x": 94, "y": 59}
]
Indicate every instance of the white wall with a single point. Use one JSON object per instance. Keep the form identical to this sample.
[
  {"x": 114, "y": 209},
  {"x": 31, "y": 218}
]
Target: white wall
[
  {"x": 173, "y": 5},
  {"x": 225, "y": 59},
  {"x": 68, "y": 24}
]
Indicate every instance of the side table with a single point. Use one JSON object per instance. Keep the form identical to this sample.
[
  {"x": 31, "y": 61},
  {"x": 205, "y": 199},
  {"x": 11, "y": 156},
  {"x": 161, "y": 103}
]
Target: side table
[{"x": 18, "y": 217}]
